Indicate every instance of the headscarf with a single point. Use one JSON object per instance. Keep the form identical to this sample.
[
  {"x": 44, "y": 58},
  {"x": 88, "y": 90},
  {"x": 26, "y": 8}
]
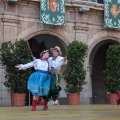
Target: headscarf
[{"x": 43, "y": 52}]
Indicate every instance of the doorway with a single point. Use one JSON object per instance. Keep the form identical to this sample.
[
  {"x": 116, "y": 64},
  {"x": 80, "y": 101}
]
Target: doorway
[{"x": 99, "y": 93}]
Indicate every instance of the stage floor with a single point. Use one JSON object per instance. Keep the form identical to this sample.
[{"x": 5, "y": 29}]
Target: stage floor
[{"x": 62, "y": 112}]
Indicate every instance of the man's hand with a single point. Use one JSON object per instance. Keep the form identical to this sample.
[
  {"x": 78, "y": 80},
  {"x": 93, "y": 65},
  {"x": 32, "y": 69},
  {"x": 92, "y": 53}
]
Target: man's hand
[{"x": 65, "y": 58}]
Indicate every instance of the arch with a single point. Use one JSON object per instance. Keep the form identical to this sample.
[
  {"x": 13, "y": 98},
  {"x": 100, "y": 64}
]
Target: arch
[
  {"x": 96, "y": 41},
  {"x": 99, "y": 37},
  {"x": 40, "y": 29}
]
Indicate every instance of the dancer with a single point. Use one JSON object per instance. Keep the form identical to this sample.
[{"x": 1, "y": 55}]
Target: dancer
[
  {"x": 56, "y": 62},
  {"x": 39, "y": 81},
  {"x": 118, "y": 97}
]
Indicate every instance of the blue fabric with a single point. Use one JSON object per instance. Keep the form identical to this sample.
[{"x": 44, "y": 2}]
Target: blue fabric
[
  {"x": 39, "y": 83},
  {"x": 35, "y": 62}
]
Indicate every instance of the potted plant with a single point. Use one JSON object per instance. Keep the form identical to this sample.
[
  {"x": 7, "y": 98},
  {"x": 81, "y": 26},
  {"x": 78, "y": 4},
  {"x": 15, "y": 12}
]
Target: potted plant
[
  {"x": 12, "y": 54},
  {"x": 75, "y": 73},
  {"x": 112, "y": 72}
]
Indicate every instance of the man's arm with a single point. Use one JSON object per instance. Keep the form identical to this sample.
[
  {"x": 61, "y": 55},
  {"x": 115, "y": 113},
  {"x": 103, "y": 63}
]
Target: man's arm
[{"x": 58, "y": 63}]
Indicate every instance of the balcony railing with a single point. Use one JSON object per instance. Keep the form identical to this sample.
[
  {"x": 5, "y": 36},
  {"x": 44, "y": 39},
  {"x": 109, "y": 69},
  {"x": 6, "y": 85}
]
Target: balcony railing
[
  {"x": 92, "y": 1},
  {"x": 96, "y": 1}
]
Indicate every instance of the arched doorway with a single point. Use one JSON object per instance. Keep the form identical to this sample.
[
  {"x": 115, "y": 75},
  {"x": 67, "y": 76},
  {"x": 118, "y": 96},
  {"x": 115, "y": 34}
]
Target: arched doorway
[
  {"x": 43, "y": 42},
  {"x": 97, "y": 62}
]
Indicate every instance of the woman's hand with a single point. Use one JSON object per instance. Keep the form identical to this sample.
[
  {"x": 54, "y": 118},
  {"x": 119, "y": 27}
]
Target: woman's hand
[
  {"x": 34, "y": 58},
  {"x": 17, "y": 66}
]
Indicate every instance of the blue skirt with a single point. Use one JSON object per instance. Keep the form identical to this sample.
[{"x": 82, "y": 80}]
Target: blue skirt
[{"x": 39, "y": 83}]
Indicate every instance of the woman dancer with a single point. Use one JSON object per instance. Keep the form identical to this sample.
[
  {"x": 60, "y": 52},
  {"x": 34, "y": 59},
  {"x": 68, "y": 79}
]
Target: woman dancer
[{"x": 39, "y": 81}]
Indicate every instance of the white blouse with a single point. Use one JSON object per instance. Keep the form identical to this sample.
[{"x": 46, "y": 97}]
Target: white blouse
[
  {"x": 37, "y": 64},
  {"x": 57, "y": 63}
]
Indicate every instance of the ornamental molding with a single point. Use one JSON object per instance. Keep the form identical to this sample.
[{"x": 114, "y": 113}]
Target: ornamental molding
[
  {"x": 10, "y": 20},
  {"x": 81, "y": 28}
]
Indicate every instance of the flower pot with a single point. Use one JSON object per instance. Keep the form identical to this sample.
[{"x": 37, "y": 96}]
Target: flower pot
[
  {"x": 112, "y": 98},
  {"x": 18, "y": 99},
  {"x": 73, "y": 98}
]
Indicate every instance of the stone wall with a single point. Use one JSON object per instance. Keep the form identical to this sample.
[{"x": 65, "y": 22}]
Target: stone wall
[{"x": 21, "y": 20}]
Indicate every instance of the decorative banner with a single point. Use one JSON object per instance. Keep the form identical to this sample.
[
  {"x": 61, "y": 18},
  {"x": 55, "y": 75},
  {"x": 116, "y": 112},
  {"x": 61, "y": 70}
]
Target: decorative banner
[
  {"x": 52, "y": 12},
  {"x": 112, "y": 13}
]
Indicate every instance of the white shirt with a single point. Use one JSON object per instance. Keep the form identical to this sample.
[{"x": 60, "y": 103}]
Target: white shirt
[
  {"x": 37, "y": 64},
  {"x": 56, "y": 64}
]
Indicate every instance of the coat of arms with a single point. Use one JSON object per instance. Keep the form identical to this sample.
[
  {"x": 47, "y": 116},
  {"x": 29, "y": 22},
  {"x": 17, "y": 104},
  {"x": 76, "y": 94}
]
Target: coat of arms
[
  {"x": 114, "y": 10},
  {"x": 53, "y": 5}
]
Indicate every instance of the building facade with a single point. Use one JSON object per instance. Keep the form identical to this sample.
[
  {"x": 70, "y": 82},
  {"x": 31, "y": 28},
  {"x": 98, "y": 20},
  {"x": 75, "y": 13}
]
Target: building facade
[{"x": 84, "y": 22}]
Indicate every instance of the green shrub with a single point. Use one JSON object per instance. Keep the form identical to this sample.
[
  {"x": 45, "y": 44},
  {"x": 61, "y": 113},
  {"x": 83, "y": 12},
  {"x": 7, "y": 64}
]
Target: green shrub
[
  {"x": 75, "y": 73},
  {"x": 12, "y": 54},
  {"x": 112, "y": 70}
]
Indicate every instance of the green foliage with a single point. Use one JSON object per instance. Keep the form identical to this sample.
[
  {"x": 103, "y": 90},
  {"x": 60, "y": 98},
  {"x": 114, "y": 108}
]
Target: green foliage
[
  {"x": 112, "y": 70},
  {"x": 12, "y": 54},
  {"x": 75, "y": 73}
]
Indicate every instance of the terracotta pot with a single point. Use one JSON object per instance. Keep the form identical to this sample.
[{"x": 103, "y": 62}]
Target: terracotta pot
[
  {"x": 112, "y": 98},
  {"x": 18, "y": 99},
  {"x": 73, "y": 98}
]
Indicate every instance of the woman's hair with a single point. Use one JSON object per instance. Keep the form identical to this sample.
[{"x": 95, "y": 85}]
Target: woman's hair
[{"x": 43, "y": 52}]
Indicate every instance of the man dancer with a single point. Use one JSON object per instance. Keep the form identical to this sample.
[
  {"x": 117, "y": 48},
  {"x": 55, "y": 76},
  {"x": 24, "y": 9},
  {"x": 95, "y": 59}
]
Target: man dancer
[{"x": 56, "y": 62}]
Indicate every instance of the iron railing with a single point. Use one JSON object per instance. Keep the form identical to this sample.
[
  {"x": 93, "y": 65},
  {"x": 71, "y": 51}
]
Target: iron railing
[{"x": 92, "y": 1}]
